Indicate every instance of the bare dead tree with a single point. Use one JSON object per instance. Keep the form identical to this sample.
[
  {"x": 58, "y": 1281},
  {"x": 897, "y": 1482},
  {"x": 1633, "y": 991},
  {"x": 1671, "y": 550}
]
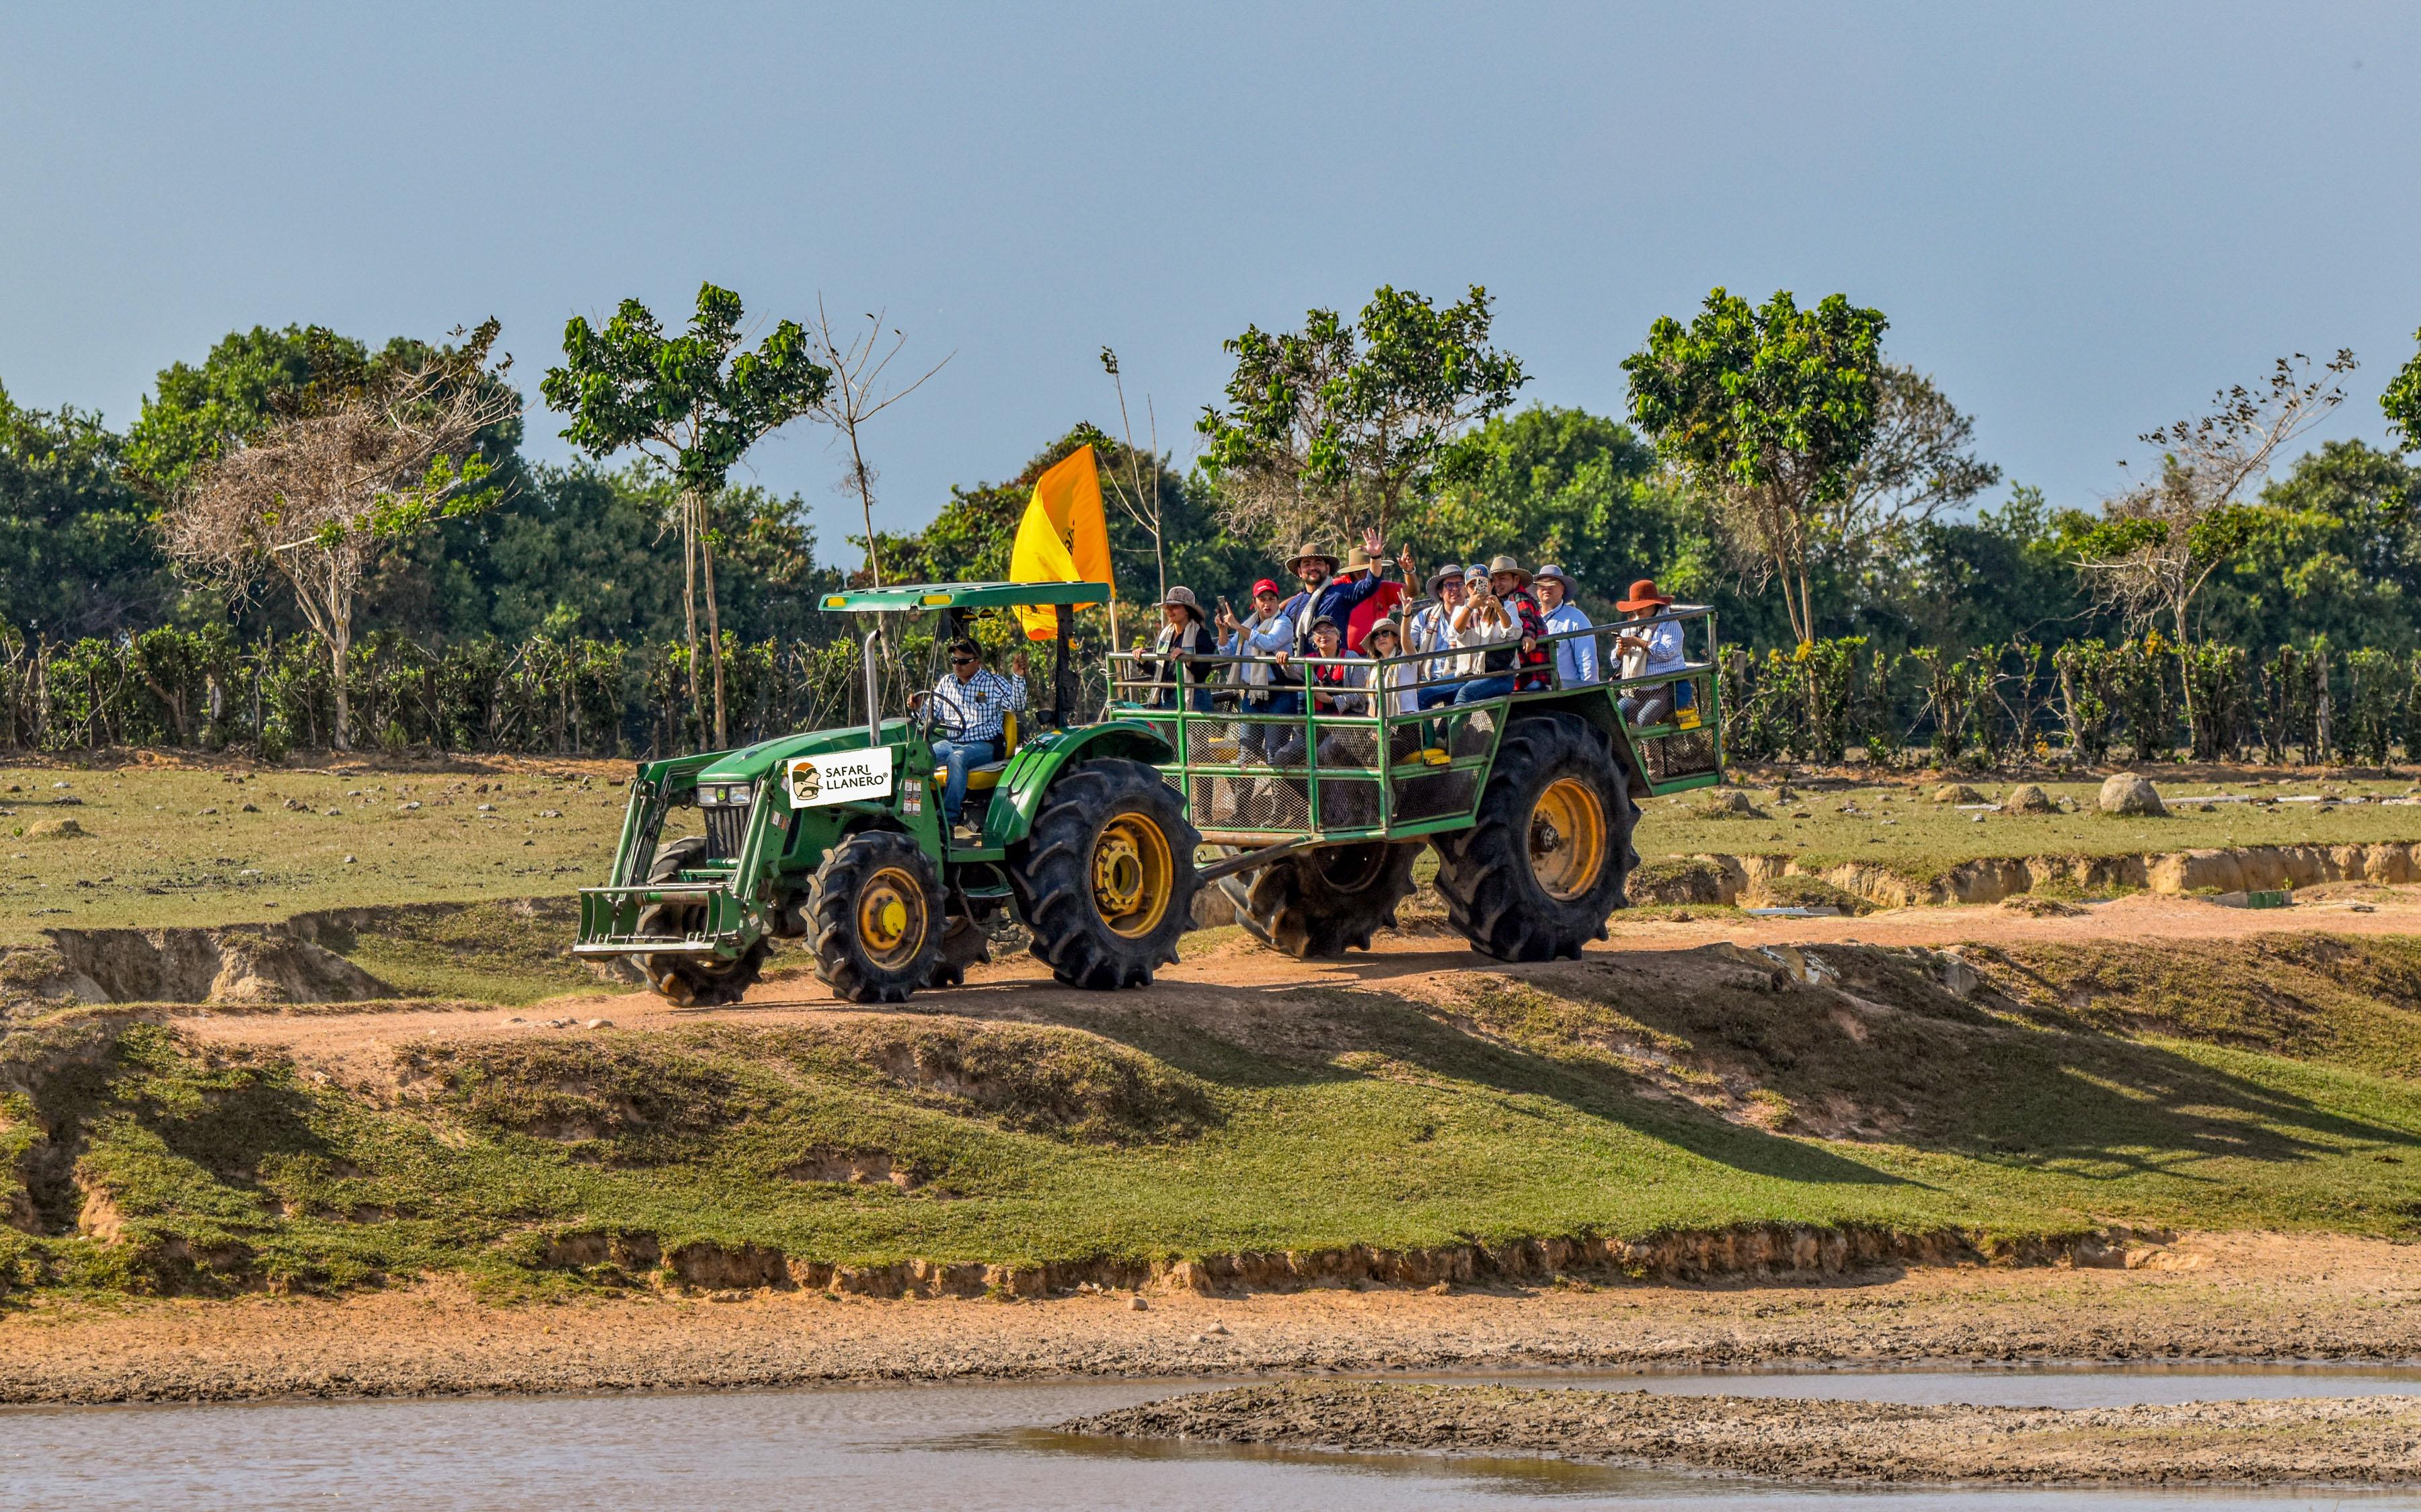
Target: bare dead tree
[
  {"x": 363, "y": 462},
  {"x": 858, "y": 393},
  {"x": 2160, "y": 541},
  {"x": 1920, "y": 461},
  {"x": 1144, "y": 511}
]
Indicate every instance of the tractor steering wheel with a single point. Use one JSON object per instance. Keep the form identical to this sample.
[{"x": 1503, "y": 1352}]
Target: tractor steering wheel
[{"x": 945, "y": 713}]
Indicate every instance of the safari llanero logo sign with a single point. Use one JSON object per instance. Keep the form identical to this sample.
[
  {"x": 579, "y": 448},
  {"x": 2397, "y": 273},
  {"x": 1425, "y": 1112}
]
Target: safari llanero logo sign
[{"x": 843, "y": 777}]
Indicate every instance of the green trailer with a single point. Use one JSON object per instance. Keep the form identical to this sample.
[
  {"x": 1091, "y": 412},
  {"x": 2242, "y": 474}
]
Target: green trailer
[
  {"x": 1316, "y": 818},
  {"x": 833, "y": 837}
]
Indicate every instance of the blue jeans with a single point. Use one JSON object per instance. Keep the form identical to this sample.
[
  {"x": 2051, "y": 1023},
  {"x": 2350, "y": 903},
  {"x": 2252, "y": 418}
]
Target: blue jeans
[
  {"x": 956, "y": 757},
  {"x": 1481, "y": 688},
  {"x": 1437, "y": 693}
]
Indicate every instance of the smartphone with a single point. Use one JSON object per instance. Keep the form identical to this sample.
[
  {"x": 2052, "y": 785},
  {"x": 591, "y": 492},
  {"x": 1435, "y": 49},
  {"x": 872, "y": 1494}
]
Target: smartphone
[{"x": 1224, "y": 609}]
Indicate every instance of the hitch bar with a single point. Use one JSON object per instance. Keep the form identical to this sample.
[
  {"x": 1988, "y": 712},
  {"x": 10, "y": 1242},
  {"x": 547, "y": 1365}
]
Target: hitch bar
[{"x": 1248, "y": 860}]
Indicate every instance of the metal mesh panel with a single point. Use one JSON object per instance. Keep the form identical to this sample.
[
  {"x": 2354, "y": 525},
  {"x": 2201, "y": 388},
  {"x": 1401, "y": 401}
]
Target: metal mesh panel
[{"x": 1255, "y": 803}]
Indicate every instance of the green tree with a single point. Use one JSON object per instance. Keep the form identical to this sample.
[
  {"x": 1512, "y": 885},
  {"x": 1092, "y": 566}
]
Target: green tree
[
  {"x": 1769, "y": 410},
  {"x": 77, "y": 554},
  {"x": 2401, "y": 402},
  {"x": 1340, "y": 423},
  {"x": 695, "y": 403},
  {"x": 1563, "y": 486},
  {"x": 196, "y": 412}
]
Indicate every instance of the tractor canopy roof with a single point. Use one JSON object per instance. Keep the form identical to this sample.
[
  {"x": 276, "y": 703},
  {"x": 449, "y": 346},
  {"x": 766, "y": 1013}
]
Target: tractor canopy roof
[{"x": 916, "y": 596}]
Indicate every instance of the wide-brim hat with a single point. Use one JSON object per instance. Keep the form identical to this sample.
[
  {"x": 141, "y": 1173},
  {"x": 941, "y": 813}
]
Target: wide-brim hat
[
  {"x": 1390, "y": 624},
  {"x": 1507, "y": 564},
  {"x": 1182, "y": 598},
  {"x": 1309, "y": 552},
  {"x": 1644, "y": 596},
  {"x": 1551, "y": 571},
  {"x": 1357, "y": 560},
  {"x": 1446, "y": 573}
]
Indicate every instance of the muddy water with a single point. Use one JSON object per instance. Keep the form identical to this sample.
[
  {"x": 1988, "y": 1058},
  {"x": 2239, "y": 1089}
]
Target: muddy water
[{"x": 972, "y": 1448}]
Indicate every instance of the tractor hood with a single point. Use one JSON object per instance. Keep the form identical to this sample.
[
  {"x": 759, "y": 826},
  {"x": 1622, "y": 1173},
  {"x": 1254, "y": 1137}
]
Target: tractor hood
[{"x": 764, "y": 760}]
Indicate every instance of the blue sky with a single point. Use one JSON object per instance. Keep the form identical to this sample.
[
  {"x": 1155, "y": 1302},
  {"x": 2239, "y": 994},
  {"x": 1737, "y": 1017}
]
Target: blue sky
[{"x": 2079, "y": 218}]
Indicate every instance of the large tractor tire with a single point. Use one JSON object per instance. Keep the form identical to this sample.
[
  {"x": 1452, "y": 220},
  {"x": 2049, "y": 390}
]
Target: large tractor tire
[
  {"x": 1106, "y": 878},
  {"x": 1324, "y": 903},
  {"x": 692, "y": 981},
  {"x": 874, "y": 917},
  {"x": 1543, "y": 862}
]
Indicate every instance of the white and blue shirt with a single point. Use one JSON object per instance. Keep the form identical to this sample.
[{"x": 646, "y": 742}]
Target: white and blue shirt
[
  {"x": 981, "y": 703},
  {"x": 1575, "y": 659}
]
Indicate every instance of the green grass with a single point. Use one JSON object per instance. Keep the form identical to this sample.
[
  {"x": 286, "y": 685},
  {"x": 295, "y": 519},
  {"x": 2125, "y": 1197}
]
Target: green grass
[
  {"x": 2269, "y": 1085},
  {"x": 172, "y": 845},
  {"x": 511, "y": 952},
  {"x": 1901, "y": 829}
]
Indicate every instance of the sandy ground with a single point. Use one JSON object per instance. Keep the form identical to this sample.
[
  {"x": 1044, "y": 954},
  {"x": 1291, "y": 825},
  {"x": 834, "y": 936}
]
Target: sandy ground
[
  {"x": 2343, "y": 1440},
  {"x": 2232, "y": 1297},
  {"x": 1220, "y": 964}
]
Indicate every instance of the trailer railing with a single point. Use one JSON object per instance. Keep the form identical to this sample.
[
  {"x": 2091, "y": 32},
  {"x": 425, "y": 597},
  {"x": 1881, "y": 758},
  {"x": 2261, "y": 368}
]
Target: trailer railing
[{"x": 1350, "y": 747}]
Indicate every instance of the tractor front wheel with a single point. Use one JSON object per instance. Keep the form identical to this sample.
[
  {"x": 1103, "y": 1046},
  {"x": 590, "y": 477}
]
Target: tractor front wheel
[
  {"x": 1106, "y": 878},
  {"x": 692, "y": 981},
  {"x": 1543, "y": 862},
  {"x": 874, "y": 915}
]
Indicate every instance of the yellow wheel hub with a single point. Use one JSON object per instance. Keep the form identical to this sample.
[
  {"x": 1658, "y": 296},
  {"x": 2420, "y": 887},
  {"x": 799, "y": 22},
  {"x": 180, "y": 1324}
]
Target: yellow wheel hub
[
  {"x": 1567, "y": 838},
  {"x": 891, "y": 918},
  {"x": 1133, "y": 875}
]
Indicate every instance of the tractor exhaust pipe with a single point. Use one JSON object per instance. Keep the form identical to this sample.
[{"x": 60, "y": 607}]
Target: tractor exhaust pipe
[{"x": 873, "y": 693}]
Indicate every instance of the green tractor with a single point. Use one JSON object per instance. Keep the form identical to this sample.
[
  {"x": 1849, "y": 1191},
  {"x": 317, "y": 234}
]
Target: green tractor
[
  {"x": 1527, "y": 798},
  {"x": 834, "y": 837}
]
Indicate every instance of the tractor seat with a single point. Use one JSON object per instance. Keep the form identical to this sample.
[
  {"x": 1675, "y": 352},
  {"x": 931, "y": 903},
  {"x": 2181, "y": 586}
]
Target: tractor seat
[{"x": 985, "y": 777}]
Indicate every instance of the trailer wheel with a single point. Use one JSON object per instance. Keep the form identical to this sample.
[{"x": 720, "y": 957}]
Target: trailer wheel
[
  {"x": 963, "y": 944},
  {"x": 874, "y": 915},
  {"x": 690, "y": 981},
  {"x": 1544, "y": 862},
  {"x": 1327, "y": 902},
  {"x": 1106, "y": 878}
]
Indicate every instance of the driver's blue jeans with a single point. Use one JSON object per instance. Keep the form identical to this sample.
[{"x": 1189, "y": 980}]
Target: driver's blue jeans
[{"x": 956, "y": 757}]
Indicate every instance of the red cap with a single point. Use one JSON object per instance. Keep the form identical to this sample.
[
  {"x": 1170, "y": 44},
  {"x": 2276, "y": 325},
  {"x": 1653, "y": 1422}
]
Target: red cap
[{"x": 1265, "y": 585}]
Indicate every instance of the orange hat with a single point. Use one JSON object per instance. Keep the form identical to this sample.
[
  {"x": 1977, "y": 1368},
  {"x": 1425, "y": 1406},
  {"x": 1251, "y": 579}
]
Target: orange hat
[{"x": 1644, "y": 596}]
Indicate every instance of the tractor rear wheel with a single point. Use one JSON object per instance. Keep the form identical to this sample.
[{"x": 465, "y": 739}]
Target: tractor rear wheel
[
  {"x": 874, "y": 917},
  {"x": 1326, "y": 901},
  {"x": 692, "y": 981},
  {"x": 1544, "y": 861},
  {"x": 1106, "y": 878}
]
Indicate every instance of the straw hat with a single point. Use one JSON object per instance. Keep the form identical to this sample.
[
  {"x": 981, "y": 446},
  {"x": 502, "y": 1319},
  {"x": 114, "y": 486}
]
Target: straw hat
[
  {"x": 1507, "y": 564},
  {"x": 1309, "y": 552},
  {"x": 1644, "y": 596}
]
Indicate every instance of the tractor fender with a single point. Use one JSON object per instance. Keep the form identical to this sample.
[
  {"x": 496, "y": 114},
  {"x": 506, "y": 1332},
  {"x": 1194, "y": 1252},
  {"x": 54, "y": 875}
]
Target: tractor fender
[{"x": 1040, "y": 761}]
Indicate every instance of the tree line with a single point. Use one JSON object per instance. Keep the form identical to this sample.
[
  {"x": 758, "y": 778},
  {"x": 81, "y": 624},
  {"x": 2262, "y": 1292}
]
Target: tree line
[{"x": 300, "y": 494}]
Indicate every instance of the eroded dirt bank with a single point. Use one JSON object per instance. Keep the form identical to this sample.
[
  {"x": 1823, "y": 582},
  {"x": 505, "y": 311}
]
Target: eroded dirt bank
[
  {"x": 2365, "y": 1440},
  {"x": 2250, "y": 1297}
]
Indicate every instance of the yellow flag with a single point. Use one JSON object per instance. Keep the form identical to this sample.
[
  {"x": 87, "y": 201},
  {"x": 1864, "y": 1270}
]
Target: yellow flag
[{"x": 1063, "y": 537}]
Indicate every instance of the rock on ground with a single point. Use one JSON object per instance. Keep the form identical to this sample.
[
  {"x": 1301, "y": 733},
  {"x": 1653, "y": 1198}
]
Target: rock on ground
[
  {"x": 2028, "y": 798},
  {"x": 2129, "y": 794}
]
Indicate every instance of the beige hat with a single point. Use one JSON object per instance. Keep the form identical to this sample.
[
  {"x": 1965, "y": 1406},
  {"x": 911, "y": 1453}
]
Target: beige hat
[
  {"x": 1307, "y": 552},
  {"x": 1183, "y": 599},
  {"x": 1357, "y": 560},
  {"x": 1507, "y": 564}
]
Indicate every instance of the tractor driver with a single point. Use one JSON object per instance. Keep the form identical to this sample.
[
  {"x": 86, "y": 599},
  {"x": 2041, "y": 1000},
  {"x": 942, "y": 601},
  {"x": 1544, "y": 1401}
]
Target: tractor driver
[{"x": 971, "y": 702}]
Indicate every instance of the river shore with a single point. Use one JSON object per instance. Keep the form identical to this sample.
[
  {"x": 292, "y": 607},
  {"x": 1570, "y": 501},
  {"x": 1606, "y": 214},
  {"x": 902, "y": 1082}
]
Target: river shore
[
  {"x": 2373, "y": 1441},
  {"x": 2223, "y": 1297}
]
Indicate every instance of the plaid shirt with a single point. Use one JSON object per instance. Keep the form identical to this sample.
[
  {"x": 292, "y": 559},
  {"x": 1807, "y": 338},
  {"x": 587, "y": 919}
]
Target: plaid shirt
[{"x": 979, "y": 703}]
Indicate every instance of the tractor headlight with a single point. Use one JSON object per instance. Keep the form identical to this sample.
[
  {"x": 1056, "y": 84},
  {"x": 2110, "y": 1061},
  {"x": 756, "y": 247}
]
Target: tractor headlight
[{"x": 726, "y": 795}]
